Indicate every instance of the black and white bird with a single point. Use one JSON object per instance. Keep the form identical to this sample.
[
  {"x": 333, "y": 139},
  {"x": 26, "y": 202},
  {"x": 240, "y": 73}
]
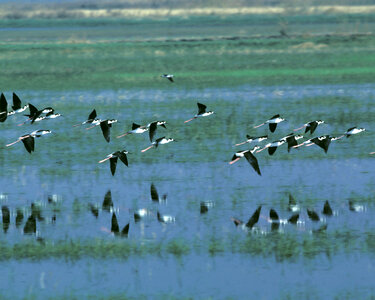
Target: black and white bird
[
  {"x": 310, "y": 126},
  {"x": 272, "y": 147},
  {"x": 272, "y": 123},
  {"x": 17, "y": 105},
  {"x": 28, "y": 139},
  {"x": 153, "y": 126},
  {"x": 35, "y": 114},
  {"x": 168, "y": 76},
  {"x": 251, "y": 139},
  {"x": 113, "y": 157},
  {"x": 252, "y": 221},
  {"x": 90, "y": 119},
  {"x": 136, "y": 129},
  {"x": 161, "y": 141},
  {"x": 248, "y": 154},
  {"x": 353, "y": 130},
  {"x": 201, "y": 112}
]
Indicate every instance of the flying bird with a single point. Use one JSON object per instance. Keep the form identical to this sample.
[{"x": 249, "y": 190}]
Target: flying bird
[
  {"x": 113, "y": 157},
  {"x": 90, "y": 119},
  {"x": 272, "y": 147},
  {"x": 272, "y": 123},
  {"x": 248, "y": 154},
  {"x": 201, "y": 112},
  {"x": 161, "y": 141},
  {"x": 252, "y": 221},
  {"x": 310, "y": 126},
  {"x": 251, "y": 139},
  {"x": 28, "y": 139},
  {"x": 17, "y": 105},
  {"x": 168, "y": 76}
]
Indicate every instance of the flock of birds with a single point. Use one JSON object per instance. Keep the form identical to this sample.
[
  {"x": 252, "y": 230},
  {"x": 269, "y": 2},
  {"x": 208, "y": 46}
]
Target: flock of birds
[{"x": 36, "y": 115}]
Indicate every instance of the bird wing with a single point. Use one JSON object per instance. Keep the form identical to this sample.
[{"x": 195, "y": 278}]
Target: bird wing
[
  {"x": 92, "y": 115},
  {"x": 252, "y": 161},
  {"x": 273, "y": 215},
  {"x": 114, "y": 224},
  {"x": 105, "y": 129},
  {"x": 272, "y": 126},
  {"x": 170, "y": 79},
  {"x": 135, "y": 126},
  {"x": 113, "y": 163},
  {"x": 327, "y": 210},
  {"x": 3, "y": 108},
  {"x": 107, "y": 202},
  {"x": 36, "y": 115},
  {"x": 16, "y": 102},
  {"x": 291, "y": 142},
  {"x": 275, "y": 116},
  {"x": 293, "y": 219},
  {"x": 313, "y": 126},
  {"x": 33, "y": 110},
  {"x": 312, "y": 215},
  {"x": 254, "y": 218},
  {"x": 324, "y": 144},
  {"x": 123, "y": 157},
  {"x": 30, "y": 226},
  {"x": 201, "y": 108},
  {"x": 29, "y": 143},
  {"x": 271, "y": 150},
  {"x": 152, "y": 130},
  {"x": 158, "y": 141},
  {"x": 154, "y": 193}
]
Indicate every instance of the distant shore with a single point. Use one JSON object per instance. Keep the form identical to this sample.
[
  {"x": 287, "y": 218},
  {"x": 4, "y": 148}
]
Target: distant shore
[{"x": 38, "y": 11}]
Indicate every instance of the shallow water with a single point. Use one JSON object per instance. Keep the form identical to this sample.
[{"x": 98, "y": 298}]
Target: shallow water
[{"x": 198, "y": 253}]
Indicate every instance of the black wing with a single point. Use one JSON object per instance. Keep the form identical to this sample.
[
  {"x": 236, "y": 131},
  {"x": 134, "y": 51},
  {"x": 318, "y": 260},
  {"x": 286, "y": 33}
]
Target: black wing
[
  {"x": 273, "y": 215},
  {"x": 113, "y": 163},
  {"x": 29, "y": 143},
  {"x": 271, "y": 150},
  {"x": 107, "y": 202},
  {"x": 254, "y": 218},
  {"x": 33, "y": 111},
  {"x": 135, "y": 126},
  {"x": 16, "y": 102},
  {"x": 252, "y": 161},
  {"x": 249, "y": 137},
  {"x": 293, "y": 219},
  {"x": 152, "y": 130},
  {"x": 292, "y": 201},
  {"x": 3, "y": 108},
  {"x": 291, "y": 142},
  {"x": 170, "y": 79},
  {"x": 106, "y": 130},
  {"x": 114, "y": 224},
  {"x": 324, "y": 144},
  {"x": 36, "y": 115},
  {"x": 327, "y": 210},
  {"x": 201, "y": 108},
  {"x": 123, "y": 157},
  {"x": 158, "y": 141},
  {"x": 92, "y": 116},
  {"x": 6, "y": 217},
  {"x": 125, "y": 230},
  {"x": 272, "y": 126},
  {"x": 313, "y": 126},
  {"x": 275, "y": 117},
  {"x": 313, "y": 215},
  {"x": 154, "y": 193},
  {"x": 94, "y": 210}
]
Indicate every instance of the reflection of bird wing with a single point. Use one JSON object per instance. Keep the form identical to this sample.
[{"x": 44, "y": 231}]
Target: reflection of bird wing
[
  {"x": 107, "y": 202},
  {"x": 294, "y": 218},
  {"x": 114, "y": 224},
  {"x": 125, "y": 230},
  {"x": 29, "y": 143},
  {"x": 105, "y": 129},
  {"x": 273, "y": 215},
  {"x": 201, "y": 108},
  {"x": 312, "y": 215},
  {"x": 113, "y": 163},
  {"x": 152, "y": 130},
  {"x": 30, "y": 226},
  {"x": 154, "y": 193},
  {"x": 123, "y": 157},
  {"x": 252, "y": 161},
  {"x": 254, "y": 218},
  {"x": 16, "y": 102}
]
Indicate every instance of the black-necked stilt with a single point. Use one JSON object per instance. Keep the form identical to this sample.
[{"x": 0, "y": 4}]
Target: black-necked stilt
[
  {"x": 292, "y": 139},
  {"x": 248, "y": 154},
  {"x": 28, "y": 139},
  {"x": 310, "y": 126},
  {"x": 116, "y": 229},
  {"x": 201, "y": 112},
  {"x": 313, "y": 215},
  {"x": 353, "y": 130},
  {"x": 30, "y": 226},
  {"x": 327, "y": 210},
  {"x": 107, "y": 201},
  {"x": 17, "y": 105},
  {"x": 113, "y": 157},
  {"x": 105, "y": 126},
  {"x": 155, "y": 196},
  {"x": 252, "y": 221},
  {"x": 272, "y": 147},
  {"x": 6, "y": 217},
  {"x": 3, "y": 108},
  {"x": 161, "y": 141},
  {"x": 165, "y": 218},
  {"x": 136, "y": 128},
  {"x": 168, "y": 76},
  {"x": 251, "y": 139},
  {"x": 153, "y": 126},
  {"x": 35, "y": 115},
  {"x": 276, "y": 119},
  {"x": 323, "y": 141},
  {"x": 90, "y": 119}
]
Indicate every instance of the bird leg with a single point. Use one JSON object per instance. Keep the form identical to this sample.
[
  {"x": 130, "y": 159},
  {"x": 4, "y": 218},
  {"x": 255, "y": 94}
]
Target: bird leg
[
  {"x": 259, "y": 125},
  {"x": 299, "y": 128},
  {"x": 14, "y": 142},
  {"x": 190, "y": 120},
  {"x": 103, "y": 160},
  {"x": 123, "y": 135},
  {"x": 262, "y": 149},
  {"x": 233, "y": 161},
  {"x": 148, "y": 148},
  {"x": 239, "y": 144}
]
